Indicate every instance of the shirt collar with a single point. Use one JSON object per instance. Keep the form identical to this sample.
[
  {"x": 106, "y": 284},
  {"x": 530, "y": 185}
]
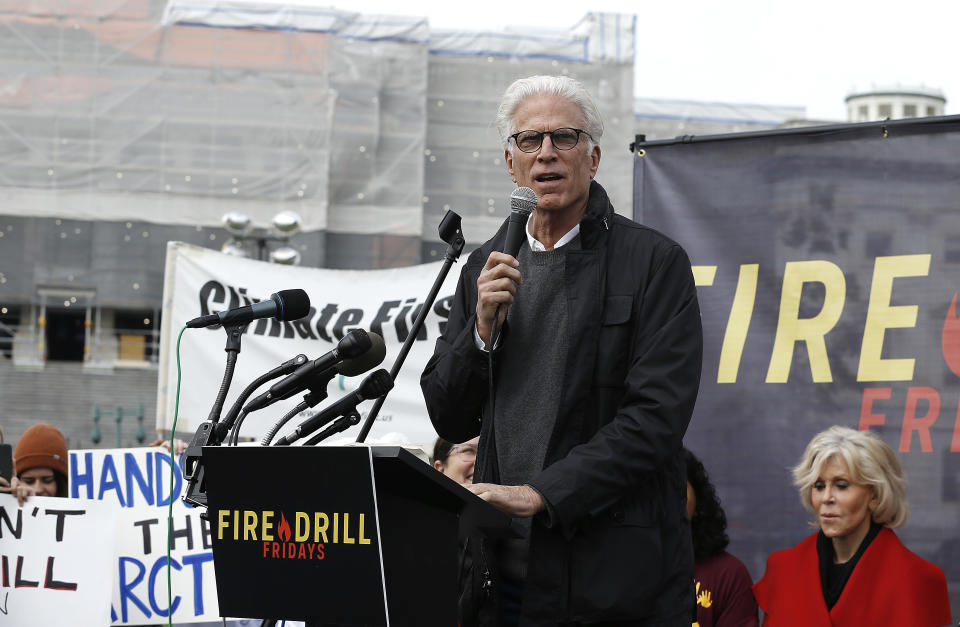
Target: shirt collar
[{"x": 537, "y": 246}]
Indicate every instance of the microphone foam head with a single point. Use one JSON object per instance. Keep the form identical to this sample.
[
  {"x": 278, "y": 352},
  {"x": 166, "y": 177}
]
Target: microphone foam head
[
  {"x": 523, "y": 199},
  {"x": 354, "y": 344},
  {"x": 293, "y": 304},
  {"x": 376, "y": 384},
  {"x": 370, "y": 359}
]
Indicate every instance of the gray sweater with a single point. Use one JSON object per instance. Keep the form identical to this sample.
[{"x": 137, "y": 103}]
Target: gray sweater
[{"x": 529, "y": 373}]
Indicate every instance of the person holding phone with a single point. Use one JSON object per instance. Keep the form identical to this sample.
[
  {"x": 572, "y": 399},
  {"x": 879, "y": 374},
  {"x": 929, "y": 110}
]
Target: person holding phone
[
  {"x": 40, "y": 464},
  {"x": 6, "y": 462}
]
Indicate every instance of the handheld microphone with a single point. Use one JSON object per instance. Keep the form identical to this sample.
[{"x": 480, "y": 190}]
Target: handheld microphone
[
  {"x": 523, "y": 200},
  {"x": 375, "y": 385},
  {"x": 356, "y": 353},
  {"x": 284, "y": 305}
]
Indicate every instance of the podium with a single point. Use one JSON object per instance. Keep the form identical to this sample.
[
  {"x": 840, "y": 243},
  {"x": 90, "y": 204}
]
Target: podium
[{"x": 339, "y": 535}]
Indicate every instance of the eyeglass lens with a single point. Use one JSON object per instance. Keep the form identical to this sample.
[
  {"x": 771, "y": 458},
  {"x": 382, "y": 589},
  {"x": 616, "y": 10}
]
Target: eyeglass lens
[
  {"x": 466, "y": 452},
  {"x": 561, "y": 138}
]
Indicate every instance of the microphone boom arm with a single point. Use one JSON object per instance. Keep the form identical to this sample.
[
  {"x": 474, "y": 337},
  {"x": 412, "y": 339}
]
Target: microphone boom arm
[{"x": 452, "y": 235}]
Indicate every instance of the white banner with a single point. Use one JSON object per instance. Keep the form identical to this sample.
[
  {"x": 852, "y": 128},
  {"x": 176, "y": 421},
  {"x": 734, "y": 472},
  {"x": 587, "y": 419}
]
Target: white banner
[
  {"x": 55, "y": 562},
  {"x": 200, "y": 281},
  {"x": 136, "y": 483}
]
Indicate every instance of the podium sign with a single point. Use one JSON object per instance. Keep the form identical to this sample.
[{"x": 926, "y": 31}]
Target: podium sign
[{"x": 296, "y": 529}]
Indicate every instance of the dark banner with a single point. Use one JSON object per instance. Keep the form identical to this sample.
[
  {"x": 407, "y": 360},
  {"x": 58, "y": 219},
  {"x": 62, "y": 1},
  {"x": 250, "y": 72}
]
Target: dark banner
[{"x": 828, "y": 265}]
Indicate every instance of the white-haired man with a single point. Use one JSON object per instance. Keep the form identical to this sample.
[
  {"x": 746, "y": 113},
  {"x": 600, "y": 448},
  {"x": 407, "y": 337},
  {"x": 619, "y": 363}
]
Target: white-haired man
[{"x": 595, "y": 375}]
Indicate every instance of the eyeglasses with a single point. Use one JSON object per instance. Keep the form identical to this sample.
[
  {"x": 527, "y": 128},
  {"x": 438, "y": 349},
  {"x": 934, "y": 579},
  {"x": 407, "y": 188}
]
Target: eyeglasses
[
  {"x": 466, "y": 453},
  {"x": 561, "y": 138}
]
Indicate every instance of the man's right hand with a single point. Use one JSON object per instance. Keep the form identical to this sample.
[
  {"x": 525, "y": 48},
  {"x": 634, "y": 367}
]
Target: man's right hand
[{"x": 496, "y": 285}]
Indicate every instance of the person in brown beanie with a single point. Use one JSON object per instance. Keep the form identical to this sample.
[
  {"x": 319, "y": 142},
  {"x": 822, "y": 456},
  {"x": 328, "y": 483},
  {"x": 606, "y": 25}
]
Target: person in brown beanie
[{"x": 40, "y": 464}]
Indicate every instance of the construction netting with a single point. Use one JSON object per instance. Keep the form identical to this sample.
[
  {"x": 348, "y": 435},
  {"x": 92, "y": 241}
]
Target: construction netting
[{"x": 178, "y": 112}]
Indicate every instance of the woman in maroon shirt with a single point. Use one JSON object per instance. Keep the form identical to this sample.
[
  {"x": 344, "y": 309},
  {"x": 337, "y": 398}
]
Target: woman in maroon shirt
[{"x": 724, "y": 598}]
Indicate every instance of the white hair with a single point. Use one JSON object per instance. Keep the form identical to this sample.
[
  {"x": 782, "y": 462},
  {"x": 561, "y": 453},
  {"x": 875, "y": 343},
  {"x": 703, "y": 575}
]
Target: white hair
[
  {"x": 871, "y": 462},
  {"x": 565, "y": 87}
]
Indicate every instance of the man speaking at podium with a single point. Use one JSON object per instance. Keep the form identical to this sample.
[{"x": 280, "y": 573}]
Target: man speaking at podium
[{"x": 595, "y": 369}]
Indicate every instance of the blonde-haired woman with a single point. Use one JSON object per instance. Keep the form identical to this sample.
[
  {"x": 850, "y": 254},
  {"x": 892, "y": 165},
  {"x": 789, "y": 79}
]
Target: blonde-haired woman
[{"x": 854, "y": 571}]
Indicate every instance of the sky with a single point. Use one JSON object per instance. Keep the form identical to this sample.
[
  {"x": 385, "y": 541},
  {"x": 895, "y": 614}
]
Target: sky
[{"x": 810, "y": 54}]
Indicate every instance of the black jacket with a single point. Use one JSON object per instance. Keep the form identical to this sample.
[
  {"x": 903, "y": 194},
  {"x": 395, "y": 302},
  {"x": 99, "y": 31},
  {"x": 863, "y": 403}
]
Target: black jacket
[{"x": 614, "y": 544}]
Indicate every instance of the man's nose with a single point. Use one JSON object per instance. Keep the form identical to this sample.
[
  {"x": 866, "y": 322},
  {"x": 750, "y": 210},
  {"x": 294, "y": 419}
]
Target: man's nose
[{"x": 547, "y": 150}]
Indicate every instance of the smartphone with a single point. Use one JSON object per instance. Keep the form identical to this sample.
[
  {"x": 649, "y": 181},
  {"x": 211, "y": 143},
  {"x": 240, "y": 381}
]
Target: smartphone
[{"x": 6, "y": 461}]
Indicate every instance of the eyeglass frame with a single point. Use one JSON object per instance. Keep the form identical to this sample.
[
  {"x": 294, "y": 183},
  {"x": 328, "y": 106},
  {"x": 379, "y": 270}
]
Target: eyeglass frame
[
  {"x": 550, "y": 133},
  {"x": 461, "y": 449}
]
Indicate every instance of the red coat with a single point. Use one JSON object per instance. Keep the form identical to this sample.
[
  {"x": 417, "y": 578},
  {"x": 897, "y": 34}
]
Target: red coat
[{"x": 888, "y": 586}]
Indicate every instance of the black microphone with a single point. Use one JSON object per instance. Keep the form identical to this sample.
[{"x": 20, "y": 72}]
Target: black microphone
[
  {"x": 523, "y": 200},
  {"x": 367, "y": 361},
  {"x": 356, "y": 353},
  {"x": 284, "y": 305},
  {"x": 375, "y": 385}
]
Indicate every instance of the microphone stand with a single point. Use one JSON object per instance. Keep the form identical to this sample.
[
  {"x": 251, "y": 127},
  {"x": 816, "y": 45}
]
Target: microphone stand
[
  {"x": 316, "y": 392},
  {"x": 342, "y": 424},
  {"x": 206, "y": 435},
  {"x": 452, "y": 235}
]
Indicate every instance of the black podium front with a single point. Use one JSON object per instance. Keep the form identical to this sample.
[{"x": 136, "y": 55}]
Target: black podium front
[{"x": 338, "y": 535}]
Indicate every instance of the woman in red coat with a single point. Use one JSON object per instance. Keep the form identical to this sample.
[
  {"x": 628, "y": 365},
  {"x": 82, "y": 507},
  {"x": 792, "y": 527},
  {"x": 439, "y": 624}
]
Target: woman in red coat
[{"x": 854, "y": 571}]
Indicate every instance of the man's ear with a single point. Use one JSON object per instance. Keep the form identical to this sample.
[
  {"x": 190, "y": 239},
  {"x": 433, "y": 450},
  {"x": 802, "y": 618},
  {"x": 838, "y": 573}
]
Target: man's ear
[
  {"x": 595, "y": 161},
  {"x": 438, "y": 465},
  {"x": 508, "y": 158}
]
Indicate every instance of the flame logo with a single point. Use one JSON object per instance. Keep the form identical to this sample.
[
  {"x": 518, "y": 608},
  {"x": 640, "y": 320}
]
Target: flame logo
[
  {"x": 951, "y": 338},
  {"x": 283, "y": 529}
]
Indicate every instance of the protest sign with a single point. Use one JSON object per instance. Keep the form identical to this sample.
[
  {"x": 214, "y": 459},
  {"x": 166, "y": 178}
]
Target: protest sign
[{"x": 56, "y": 557}]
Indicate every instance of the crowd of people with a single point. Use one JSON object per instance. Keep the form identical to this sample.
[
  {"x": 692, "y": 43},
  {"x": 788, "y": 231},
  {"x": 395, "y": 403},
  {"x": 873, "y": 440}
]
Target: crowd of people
[{"x": 853, "y": 570}]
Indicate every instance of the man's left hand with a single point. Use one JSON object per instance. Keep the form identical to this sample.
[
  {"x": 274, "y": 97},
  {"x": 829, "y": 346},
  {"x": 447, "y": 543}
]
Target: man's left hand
[{"x": 518, "y": 501}]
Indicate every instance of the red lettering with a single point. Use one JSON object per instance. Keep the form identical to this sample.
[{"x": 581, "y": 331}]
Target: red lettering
[
  {"x": 922, "y": 424},
  {"x": 320, "y": 553},
  {"x": 867, "y": 417},
  {"x": 266, "y": 548},
  {"x": 276, "y": 550},
  {"x": 291, "y": 550},
  {"x": 303, "y": 553}
]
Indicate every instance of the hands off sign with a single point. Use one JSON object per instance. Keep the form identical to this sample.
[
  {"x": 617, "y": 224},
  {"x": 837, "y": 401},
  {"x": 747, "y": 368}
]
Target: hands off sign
[{"x": 136, "y": 482}]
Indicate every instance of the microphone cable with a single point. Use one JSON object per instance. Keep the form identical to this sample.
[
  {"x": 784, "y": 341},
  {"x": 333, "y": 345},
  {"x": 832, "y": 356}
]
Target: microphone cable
[
  {"x": 268, "y": 437},
  {"x": 173, "y": 464}
]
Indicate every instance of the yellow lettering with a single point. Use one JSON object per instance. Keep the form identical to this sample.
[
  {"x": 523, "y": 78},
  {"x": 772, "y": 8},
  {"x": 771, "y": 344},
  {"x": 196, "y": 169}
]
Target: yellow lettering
[
  {"x": 336, "y": 527},
  {"x": 236, "y": 524},
  {"x": 735, "y": 337},
  {"x": 346, "y": 529},
  {"x": 302, "y": 527},
  {"x": 362, "y": 539},
  {"x": 221, "y": 522},
  {"x": 791, "y": 329},
  {"x": 267, "y": 525},
  {"x": 249, "y": 525},
  {"x": 703, "y": 275},
  {"x": 881, "y": 315},
  {"x": 320, "y": 529}
]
